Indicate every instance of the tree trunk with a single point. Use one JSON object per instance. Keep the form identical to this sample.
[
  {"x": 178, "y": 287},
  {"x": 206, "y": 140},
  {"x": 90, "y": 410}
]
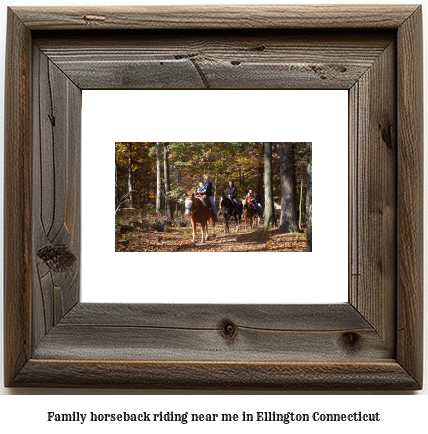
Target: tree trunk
[
  {"x": 309, "y": 198},
  {"x": 116, "y": 185},
  {"x": 300, "y": 202},
  {"x": 288, "y": 222},
  {"x": 261, "y": 173},
  {"x": 269, "y": 213},
  {"x": 158, "y": 178},
  {"x": 168, "y": 205},
  {"x": 130, "y": 180}
]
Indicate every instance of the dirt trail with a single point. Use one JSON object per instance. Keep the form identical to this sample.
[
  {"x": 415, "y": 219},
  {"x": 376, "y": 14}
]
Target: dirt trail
[
  {"x": 178, "y": 239},
  {"x": 250, "y": 240}
]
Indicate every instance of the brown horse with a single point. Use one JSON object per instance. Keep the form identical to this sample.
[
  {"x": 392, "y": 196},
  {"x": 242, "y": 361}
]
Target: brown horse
[
  {"x": 250, "y": 213},
  {"x": 199, "y": 213}
]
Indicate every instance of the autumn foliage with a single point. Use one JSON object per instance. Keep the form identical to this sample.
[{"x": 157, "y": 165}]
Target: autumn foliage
[{"x": 187, "y": 163}]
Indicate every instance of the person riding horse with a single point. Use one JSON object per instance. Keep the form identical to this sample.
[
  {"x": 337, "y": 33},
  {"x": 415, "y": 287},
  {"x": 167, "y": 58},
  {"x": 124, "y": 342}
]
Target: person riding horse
[
  {"x": 257, "y": 202},
  {"x": 201, "y": 189},
  {"x": 232, "y": 193},
  {"x": 254, "y": 200},
  {"x": 207, "y": 193},
  {"x": 230, "y": 207}
]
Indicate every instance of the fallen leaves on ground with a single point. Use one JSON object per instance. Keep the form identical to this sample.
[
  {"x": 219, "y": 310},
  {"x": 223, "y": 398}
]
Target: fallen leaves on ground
[{"x": 174, "y": 238}]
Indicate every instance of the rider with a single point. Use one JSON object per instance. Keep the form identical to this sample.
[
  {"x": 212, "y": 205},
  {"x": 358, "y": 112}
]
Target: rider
[
  {"x": 253, "y": 201},
  {"x": 232, "y": 193},
  {"x": 208, "y": 194},
  {"x": 249, "y": 198},
  {"x": 201, "y": 189},
  {"x": 257, "y": 202}
]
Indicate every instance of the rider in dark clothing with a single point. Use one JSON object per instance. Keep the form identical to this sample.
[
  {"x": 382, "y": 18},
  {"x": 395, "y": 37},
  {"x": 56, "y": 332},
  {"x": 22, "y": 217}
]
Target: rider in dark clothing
[
  {"x": 209, "y": 189},
  {"x": 232, "y": 193},
  {"x": 209, "y": 193},
  {"x": 257, "y": 201}
]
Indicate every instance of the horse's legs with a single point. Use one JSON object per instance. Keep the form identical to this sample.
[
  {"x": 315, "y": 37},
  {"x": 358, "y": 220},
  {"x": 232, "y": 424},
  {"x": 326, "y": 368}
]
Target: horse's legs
[
  {"x": 203, "y": 226},
  {"x": 194, "y": 231},
  {"x": 213, "y": 223}
]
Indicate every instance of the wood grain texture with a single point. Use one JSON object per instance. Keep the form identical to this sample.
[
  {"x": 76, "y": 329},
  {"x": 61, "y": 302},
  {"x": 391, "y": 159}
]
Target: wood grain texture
[
  {"x": 198, "y": 332},
  {"x": 385, "y": 375},
  {"x": 410, "y": 197},
  {"x": 374, "y": 342},
  {"x": 55, "y": 194},
  {"x": 209, "y": 316},
  {"x": 17, "y": 198},
  {"x": 216, "y": 59},
  {"x": 216, "y": 17},
  {"x": 373, "y": 164}
]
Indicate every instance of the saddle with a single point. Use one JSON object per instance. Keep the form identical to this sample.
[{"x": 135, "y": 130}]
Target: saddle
[{"x": 202, "y": 200}]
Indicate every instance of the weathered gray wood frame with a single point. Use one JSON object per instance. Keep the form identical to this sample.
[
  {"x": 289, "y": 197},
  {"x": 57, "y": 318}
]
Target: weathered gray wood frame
[{"x": 372, "y": 342}]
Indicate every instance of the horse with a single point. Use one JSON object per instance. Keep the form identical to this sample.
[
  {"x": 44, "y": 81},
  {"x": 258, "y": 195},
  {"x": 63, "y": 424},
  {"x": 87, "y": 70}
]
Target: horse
[
  {"x": 227, "y": 206},
  {"x": 250, "y": 212},
  {"x": 199, "y": 212}
]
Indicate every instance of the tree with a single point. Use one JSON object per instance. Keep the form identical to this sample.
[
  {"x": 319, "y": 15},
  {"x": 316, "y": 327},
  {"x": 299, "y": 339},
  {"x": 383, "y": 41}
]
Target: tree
[
  {"x": 158, "y": 178},
  {"x": 187, "y": 162},
  {"x": 309, "y": 198},
  {"x": 116, "y": 189},
  {"x": 168, "y": 204},
  {"x": 288, "y": 222},
  {"x": 130, "y": 178},
  {"x": 269, "y": 212},
  {"x": 300, "y": 203}
]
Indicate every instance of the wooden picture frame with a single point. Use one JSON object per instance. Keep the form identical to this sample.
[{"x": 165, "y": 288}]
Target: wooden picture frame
[{"x": 372, "y": 342}]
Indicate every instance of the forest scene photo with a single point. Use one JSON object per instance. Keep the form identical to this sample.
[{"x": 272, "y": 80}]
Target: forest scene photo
[{"x": 213, "y": 196}]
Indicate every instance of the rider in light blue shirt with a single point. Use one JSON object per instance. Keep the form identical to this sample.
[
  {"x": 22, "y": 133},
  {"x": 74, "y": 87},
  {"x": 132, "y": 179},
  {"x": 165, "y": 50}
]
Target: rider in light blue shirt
[{"x": 201, "y": 189}]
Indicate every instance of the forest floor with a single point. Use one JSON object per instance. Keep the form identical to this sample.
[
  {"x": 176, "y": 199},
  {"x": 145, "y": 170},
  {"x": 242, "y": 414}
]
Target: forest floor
[{"x": 151, "y": 234}]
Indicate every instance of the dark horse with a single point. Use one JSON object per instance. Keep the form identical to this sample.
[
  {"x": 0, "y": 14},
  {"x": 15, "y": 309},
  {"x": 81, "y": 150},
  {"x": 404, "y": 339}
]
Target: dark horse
[
  {"x": 229, "y": 209},
  {"x": 199, "y": 213}
]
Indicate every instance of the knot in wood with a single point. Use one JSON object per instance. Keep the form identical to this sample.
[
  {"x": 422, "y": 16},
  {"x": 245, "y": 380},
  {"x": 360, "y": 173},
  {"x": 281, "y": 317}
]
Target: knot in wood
[
  {"x": 58, "y": 259},
  {"x": 351, "y": 340},
  {"x": 228, "y": 330},
  {"x": 89, "y": 18},
  {"x": 386, "y": 134},
  {"x": 258, "y": 48}
]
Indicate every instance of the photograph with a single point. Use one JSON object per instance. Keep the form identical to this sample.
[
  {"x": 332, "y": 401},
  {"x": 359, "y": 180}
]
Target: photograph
[{"x": 213, "y": 197}]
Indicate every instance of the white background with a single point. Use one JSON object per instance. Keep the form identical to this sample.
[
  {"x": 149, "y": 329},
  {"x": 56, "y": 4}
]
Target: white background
[
  {"x": 20, "y": 412},
  {"x": 318, "y": 116}
]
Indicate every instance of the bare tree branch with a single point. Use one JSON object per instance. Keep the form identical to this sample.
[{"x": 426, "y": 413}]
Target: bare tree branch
[{"x": 124, "y": 199}]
